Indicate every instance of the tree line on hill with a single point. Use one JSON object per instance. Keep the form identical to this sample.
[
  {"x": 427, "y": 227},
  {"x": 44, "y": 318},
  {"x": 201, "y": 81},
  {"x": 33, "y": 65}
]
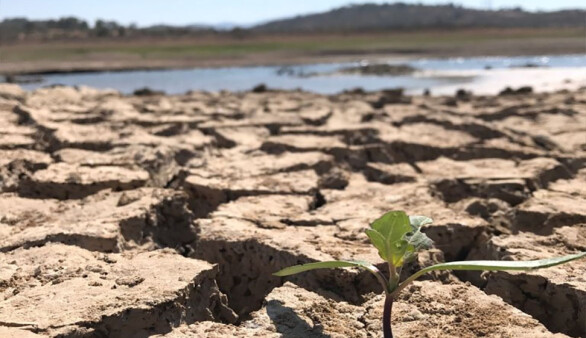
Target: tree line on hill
[
  {"x": 400, "y": 16},
  {"x": 352, "y": 18},
  {"x": 22, "y": 29}
]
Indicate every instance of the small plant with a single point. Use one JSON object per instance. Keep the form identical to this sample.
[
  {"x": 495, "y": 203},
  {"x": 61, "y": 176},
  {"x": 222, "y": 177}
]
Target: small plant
[{"x": 398, "y": 238}]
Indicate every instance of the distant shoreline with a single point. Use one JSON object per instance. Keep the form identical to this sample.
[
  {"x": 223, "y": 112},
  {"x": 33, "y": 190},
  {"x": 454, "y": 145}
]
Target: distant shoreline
[{"x": 142, "y": 55}]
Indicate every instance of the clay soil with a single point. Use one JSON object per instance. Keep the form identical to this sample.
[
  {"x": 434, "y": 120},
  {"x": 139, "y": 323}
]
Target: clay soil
[{"x": 136, "y": 216}]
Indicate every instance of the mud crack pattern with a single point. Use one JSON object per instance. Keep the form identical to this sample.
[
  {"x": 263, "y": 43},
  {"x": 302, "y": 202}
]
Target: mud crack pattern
[{"x": 166, "y": 215}]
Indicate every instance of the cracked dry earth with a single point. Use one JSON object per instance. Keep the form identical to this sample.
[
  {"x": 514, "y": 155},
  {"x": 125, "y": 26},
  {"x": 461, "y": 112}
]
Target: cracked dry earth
[{"x": 135, "y": 216}]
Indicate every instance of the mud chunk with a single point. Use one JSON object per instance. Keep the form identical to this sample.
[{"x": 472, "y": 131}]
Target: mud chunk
[
  {"x": 519, "y": 91},
  {"x": 575, "y": 186},
  {"x": 17, "y": 166},
  {"x": 16, "y": 141},
  {"x": 261, "y": 88},
  {"x": 208, "y": 193},
  {"x": 349, "y": 132},
  {"x": 173, "y": 290},
  {"x": 421, "y": 142},
  {"x": 498, "y": 148},
  {"x": 146, "y": 91},
  {"x": 10, "y": 332},
  {"x": 333, "y": 145},
  {"x": 316, "y": 116},
  {"x": 11, "y": 91},
  {"x": 389, "y": 173},
  {"x": 296, "y": 143},
  {"x": 129, "y": 281},
  {"x": 97, "y": 137},
  {"x": 555, "y": 296},
  {"x": 35, "y": 159},
  {"x": 572, "y": 141},
  {"x": 160, "y": 162},
  {"x": 491, "y": 178},
  {"x": 335, "y": 178},
  {"x": 273, "y": 122},
  {"x": 547, "y": 210},
  {"x": 245, "y": 137},
  {"x": 486, "y": 208},
  {"x": 238, "y": 166},
  {"x": 148, "y": 218},
  {"x": 66, "y": 181},
  {"x": 273, "y": 211},
  {"x": 390, "y": 96},
  {"x": 456, "y": 310},
  {"x": 463, "y": 95},
  {"x": 425, "y": 309}
]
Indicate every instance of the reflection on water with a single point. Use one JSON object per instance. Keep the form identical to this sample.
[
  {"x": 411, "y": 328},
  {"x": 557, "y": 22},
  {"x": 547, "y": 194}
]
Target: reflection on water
[{"x": 435, "y": 73}]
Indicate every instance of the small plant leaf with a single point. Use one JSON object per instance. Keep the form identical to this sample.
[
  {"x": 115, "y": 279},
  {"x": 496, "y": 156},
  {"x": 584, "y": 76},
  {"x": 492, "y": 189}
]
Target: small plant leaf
[
  {"x": 419, "y": 221},
  {"x": 398, "y": 237},
  {"x": 506, "y": 265},
  {"x": 492, "y": 266},
  {"x": 392, "y": 227},
  {"x": 417, "y": 240},
  {"x": 325, "y": 265},
  {"x": 379, "y": 242}
]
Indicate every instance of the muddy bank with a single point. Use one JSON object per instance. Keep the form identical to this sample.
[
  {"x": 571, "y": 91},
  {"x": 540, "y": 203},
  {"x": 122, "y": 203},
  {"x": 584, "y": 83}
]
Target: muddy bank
[{"x": 166, "y": 215}]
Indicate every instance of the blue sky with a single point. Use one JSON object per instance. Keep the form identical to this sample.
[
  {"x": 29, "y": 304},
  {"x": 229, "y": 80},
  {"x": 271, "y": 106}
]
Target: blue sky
[{"x": 148, "y": 12}]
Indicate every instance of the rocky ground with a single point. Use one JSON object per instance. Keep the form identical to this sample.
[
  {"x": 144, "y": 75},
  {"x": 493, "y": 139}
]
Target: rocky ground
[{"x": 131, "y": 216}]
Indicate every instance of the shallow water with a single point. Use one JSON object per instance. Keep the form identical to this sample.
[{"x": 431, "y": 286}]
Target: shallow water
[{"x": 481, "y": 74}]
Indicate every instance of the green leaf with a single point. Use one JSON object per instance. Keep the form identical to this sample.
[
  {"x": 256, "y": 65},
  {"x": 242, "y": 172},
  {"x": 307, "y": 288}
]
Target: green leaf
[
  {"x": 505, "y": 265},
  {"x": 393, "y": 224},
  {"x": 416, "y": 240},
  {"x": 392, "y": 227},
  {"x": 325, "y": 265},
  {"x": 380, "y": 243},
  {"x": 492, "y": 266},
  {"x": 398, "y": 237},
  {"x": 419, "y": 221}
]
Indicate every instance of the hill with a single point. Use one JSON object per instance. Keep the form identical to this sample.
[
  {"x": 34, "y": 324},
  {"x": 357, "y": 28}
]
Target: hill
[{"x": 375, "y": 17}]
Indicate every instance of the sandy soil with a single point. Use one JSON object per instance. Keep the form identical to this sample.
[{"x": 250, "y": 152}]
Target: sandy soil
[{"x": 166, "y": 215}]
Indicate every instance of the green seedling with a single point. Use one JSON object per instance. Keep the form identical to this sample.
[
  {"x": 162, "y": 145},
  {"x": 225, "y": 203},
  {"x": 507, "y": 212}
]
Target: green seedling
[{"x": 398, "y": 238}]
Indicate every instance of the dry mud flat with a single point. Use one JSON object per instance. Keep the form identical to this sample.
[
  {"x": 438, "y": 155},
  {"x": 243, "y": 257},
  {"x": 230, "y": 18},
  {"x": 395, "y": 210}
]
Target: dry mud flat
[{"x": 133, "y": 216}]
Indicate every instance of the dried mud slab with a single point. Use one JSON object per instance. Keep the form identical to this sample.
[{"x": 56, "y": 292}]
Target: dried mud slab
[
  {"x": 60, "y": 290},
  {"x": 244, "y": 138},
  {"x": 507, "y": 180},
  {"x": 65, "y": 181},
  {"x": 16, "y": 141},
  {"x": 428, "y": 310},
  {"x": 424, "y": 141},
  {"x": 11, "y": 91},
  {"x": 356, "y": 156},
  {"x": 108, "y": 221},
  {"x": 160, "y": 162},
  {"x": 17, "y": 166},
  {"x": 563, "y": 204},
  {"x": 207, "y": 193},
  {"x": 555, "y": 296},
  {"x": 235, "y": 165},
  {"x": 9, "y": 332}
]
